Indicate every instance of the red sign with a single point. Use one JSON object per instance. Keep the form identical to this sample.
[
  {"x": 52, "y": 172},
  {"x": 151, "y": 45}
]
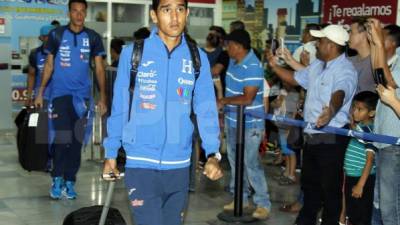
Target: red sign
[
  {"x": 203, "y": 1},
  {"x": 342, "y": 11},
  {"x": 2, "y": 21}
]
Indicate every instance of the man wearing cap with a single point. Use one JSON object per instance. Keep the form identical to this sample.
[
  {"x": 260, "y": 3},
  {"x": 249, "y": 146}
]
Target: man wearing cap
[
  {"x": 244, "y": 86},
  {"x": 331, "y": 82},
  {"x": 37, "y": 59}
]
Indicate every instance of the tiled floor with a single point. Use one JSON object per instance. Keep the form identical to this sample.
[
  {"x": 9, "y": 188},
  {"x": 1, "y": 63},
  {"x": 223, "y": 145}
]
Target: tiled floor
[{"x": 24, "y": 195}]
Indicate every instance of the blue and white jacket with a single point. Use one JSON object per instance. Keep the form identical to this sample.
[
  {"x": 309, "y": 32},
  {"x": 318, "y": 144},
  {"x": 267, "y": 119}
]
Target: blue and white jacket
[{"x": 159, "y": 133}]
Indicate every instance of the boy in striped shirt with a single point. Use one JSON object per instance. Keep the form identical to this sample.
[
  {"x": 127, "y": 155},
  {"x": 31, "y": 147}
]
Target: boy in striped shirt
[{"x": 359, "y": 162}]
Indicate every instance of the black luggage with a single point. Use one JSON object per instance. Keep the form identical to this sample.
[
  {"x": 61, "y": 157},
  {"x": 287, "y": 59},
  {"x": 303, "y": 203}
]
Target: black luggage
[
  {"x": 91, "y": 216},
  {"x": 32, "y": 139},
  {"x": 97, "y": 215}
]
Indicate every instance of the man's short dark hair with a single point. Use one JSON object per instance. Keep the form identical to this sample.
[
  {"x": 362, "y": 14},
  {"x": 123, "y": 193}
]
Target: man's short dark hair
[
  {"x": 369, "y": 98},
  {"x": 156, "y": 3},
  {"x": 323, "y": 25},
  {"x": 360, "y": 21},
  {"x": 394, "y": 33},
  {"x": 312, "y": 26},
  {"x": 55, "y": 23},
  {"x": 76, "y": 1},
  {"x": 141, "y": 33},
  {"x": 116, "y": 45},
  {"x": 219, "y": 30},
  {"x": 237, "y": 25},
  {"x": 241, "y": 37}
]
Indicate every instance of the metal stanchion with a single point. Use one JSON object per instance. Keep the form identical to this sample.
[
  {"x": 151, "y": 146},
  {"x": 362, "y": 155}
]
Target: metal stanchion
[
  {"x": 98, "y": 128},
  {"x": 238, "y": 216}
]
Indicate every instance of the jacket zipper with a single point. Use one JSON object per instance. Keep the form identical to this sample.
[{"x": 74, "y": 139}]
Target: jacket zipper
[
  {"x": 169, "y": 53},
  {"x": 165, "y": 108}
]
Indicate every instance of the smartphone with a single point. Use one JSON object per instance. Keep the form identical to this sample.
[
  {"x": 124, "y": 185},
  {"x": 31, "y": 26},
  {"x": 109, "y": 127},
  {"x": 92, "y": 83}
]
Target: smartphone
[
  {"x": 282, "y": 43},
  {"x": 379, "y": 77},
  {"x": 273, "y": 46}
]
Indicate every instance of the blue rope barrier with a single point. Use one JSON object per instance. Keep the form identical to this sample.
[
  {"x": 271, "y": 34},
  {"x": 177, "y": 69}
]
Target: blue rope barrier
[{"x": 327, "y": 129}]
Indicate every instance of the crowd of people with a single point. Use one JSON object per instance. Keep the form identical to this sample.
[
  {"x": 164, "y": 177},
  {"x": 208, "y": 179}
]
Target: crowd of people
[
  {"x": 347, "y": 177},
  {"x": 322, "y": 82},
  {"x": 332, "y": 79}
]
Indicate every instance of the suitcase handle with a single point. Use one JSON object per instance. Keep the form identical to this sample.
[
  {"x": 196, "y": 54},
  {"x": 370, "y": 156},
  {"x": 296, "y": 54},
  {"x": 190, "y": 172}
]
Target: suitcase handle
[
  {"x": 110, "y": 191},
  {"x": 112, "y": 176}
]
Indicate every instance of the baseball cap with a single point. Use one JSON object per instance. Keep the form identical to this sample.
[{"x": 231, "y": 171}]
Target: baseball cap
[
  {"x": 335, "y": 33},
  {"x": 240, "y": 36},
  {"x": 45, "y": 30}
]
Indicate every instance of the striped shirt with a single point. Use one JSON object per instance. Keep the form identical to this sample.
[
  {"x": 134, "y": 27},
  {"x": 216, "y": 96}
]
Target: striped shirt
[
  {"x": 356, "y": 153},
  {"x": 248, "y": 73}
]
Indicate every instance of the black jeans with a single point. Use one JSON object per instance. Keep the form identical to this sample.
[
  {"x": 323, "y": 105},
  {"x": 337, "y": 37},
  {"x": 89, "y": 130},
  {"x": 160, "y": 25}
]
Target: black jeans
[
  {"x": 359, "y": 210},
  {"x": 322, "y": 178},
  {"x": 69, "y": 133}
]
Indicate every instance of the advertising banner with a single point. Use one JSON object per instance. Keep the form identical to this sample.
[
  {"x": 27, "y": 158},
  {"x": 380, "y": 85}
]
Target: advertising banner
[{"x": 341, "y": 11}]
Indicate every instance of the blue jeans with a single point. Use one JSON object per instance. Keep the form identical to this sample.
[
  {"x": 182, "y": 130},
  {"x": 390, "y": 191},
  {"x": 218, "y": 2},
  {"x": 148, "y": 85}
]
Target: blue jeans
[
  {"x": 387, "y": 186},
  {"x": 253, "y": 171},
  {"x": 157, "y": 197}
]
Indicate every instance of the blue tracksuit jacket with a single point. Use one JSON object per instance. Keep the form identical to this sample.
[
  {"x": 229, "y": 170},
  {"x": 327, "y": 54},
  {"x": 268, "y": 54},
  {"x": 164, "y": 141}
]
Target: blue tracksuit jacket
[{"x": 159, "y": 133}]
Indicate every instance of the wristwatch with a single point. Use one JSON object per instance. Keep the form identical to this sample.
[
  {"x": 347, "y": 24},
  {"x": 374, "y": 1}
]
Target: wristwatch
[{"x": 215, "y": 155}]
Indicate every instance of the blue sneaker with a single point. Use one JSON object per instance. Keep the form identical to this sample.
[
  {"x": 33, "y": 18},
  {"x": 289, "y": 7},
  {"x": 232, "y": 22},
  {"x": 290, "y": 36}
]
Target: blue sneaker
[
  {"x": 69, "y": 190},
  {"x": 56, "y": 188}
]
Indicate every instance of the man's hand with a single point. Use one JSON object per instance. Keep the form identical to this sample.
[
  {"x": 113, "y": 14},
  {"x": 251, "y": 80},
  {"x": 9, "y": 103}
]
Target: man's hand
[
  {"x": 305, "y": 58},
  {"x": 272, "y": 60},
  {"x": 357, "y": 191},
  {"x": 110, "y": 167},
  {"x": 212, "y": 169},
  {"x": 220, "y": 104},
  {"x": 325, "y": 117},
  {"x": 38, "y": 101},
  {"x": 387, "y": 95},
  {"x": 374, "y": 32},
  {"x": 102, "y": 106},
  {"x": 285, "y": 54}
]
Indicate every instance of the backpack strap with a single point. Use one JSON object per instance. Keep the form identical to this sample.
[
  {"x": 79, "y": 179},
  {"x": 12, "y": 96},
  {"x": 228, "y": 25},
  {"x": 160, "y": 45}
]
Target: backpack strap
[
  {"x": 195, "y": 55},
  {"x": 137, "y": 57},
  {"x": 135, "y": 61},
  {"x": 58, "y": 34}
]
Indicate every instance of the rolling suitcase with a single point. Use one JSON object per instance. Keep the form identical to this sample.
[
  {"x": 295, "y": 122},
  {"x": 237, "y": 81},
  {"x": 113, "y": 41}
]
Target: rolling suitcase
[
  {"x": 32, "y": 139},
  {"x": 97, "y": 215}
]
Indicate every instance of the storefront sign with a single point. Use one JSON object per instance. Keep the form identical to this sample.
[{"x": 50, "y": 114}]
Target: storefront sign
[{"x": 342, "y": 11}]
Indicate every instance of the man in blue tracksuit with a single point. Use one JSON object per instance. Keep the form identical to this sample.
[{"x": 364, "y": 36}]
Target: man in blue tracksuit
[
  {"x": 158, "y": 136},
  {"x": 37, "y": 59},
  {"x": 70, "y": 50}
]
